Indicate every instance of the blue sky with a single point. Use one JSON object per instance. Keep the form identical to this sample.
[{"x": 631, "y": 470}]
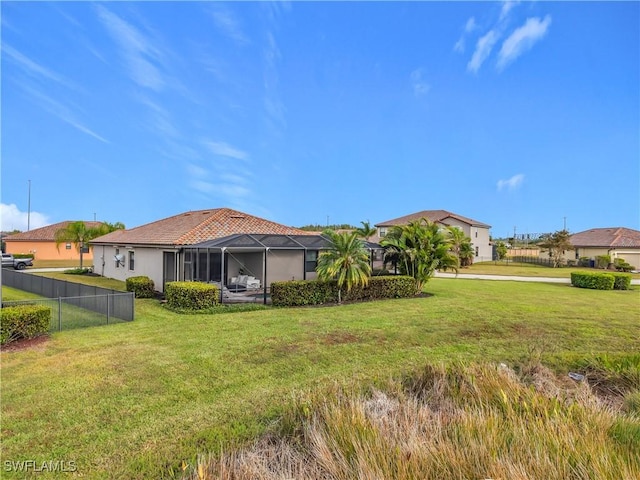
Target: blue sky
[{"x": 514, "y": 114}]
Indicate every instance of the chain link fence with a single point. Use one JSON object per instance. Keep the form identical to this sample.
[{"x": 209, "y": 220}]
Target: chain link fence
[
  {"x": 72, "y": 305},
  {"x": 89, "y": 311}
]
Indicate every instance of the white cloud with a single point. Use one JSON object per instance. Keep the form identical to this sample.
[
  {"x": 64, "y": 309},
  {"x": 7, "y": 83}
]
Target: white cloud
[
  {"x": 506, "y": 8},
  {"x": 459, "y": 46},
  {"x": 482, "y": 51},
  {"x": 11, "y": 218},
  {"x": 196, "y": 171},
  {"x": 228, "y": 24},
  {"x": 64, "y": 113},
  {"x": 226, "y": 150},
  {"x": 140, "y": 54},
  {"x": 229, "y": 191},
  {"x": 511, "y": 183},
  {"x": 471, "y": 25},
  {"x": 35, "y": 69},
  {"x": 523, "y": 39},
  {"x": 419, "y": 85}
]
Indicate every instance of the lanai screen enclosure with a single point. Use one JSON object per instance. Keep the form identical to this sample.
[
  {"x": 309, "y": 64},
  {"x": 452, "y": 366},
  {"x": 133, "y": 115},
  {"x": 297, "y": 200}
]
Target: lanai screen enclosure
[{"x": 268, "y": 258}]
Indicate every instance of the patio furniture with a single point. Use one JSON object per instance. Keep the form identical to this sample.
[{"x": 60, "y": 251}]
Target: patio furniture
[{"x": 244, "y": 282}]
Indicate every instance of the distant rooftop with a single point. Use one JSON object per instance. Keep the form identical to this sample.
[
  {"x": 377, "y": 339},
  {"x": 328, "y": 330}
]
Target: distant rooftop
[{"x": 433, "y": 216}]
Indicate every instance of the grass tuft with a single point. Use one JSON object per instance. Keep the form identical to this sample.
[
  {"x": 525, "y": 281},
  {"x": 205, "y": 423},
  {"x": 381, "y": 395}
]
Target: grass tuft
[{"x": 443, "y": 421}]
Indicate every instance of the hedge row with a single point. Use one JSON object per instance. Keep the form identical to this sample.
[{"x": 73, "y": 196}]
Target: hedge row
[
  {"x": 142, "y": 286},
  {"x": 601, "y": 281},
  {"x": 299, "y": 293},
  {"x": 191, "y": 295},
  {"x": 23, "y": 321}
]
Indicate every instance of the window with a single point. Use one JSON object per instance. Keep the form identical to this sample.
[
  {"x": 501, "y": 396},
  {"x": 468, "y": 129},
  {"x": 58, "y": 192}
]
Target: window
[
  {"x": 477, "y": 251},
  {"x": 476, "y": 233},
  {"x": 117, "y": 258},
  {"x": 131, "y": 260},
  {"x": 382, "y": 231},
  {"x": 310, "y": 260},
  {"x": 67, "y": 246}
]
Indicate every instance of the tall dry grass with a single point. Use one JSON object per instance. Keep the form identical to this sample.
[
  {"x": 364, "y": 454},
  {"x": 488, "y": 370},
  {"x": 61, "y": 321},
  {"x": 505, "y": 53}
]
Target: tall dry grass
[{"x": 455, "y": 422}]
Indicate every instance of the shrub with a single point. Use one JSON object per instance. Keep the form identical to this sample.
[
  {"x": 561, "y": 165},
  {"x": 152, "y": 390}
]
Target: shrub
[
  {"x": 191, "y": 296},
  {"x": 584, "y": 262},
  {"x": 23, "y": 321},
  {"x": 594, "y": 280},
  {"x": 23, "y": 255},
  {"x": 621, "y": 265},
  {"x": 603, "y": 261},
  {"x": 141, "y": 286},
  {"x": 78, "y": 271},
  {"x": 621, "y": 281},
  {"x": 314, "y": 292}
]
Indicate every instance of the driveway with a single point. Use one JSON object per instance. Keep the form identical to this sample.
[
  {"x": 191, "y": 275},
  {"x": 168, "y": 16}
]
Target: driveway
[{"x": 514, "y": 278}]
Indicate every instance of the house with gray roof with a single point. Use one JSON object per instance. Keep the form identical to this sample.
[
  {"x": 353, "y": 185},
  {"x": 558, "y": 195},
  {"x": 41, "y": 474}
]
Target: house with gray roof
[{"x": 478, "y": 232}]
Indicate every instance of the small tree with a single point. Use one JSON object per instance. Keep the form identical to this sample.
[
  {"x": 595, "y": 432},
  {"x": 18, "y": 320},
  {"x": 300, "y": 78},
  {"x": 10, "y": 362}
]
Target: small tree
[
  {"x": 557, "y": 244},
  {"x": 80, "y": 235},
  {"x": 461, "y": 246},
  {"x": 501, "y": 250},
  {"x": 420, "y": 248},
  {"x": 347, "y": 261}
]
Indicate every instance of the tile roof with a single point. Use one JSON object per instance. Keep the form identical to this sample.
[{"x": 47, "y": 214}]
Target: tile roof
[
  {"x": 194, "y": 227},
  {"x": 614, "y": 237},
  {"x": 44, "y": 234},
  {"x": 433, "y": 216}
]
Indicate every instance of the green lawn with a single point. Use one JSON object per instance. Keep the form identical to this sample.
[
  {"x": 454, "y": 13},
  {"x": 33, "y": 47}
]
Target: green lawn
[
  {"x": 525, "y": 270},
  {"x": 97, "y": 281},
  {"x": 133, "y": 400}
]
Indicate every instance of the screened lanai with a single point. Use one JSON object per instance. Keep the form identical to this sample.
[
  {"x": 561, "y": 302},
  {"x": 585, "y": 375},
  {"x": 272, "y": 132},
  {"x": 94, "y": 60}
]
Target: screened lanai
[{"x": 265, "y": 258}]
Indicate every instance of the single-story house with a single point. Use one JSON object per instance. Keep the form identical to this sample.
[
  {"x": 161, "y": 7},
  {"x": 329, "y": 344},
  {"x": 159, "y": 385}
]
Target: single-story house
[
  {"x": 216, "y": 245},
  {"x": 477, "y": 231},
  {"x": 41, "y": 243},
  {"x": 617, "y": 242}
]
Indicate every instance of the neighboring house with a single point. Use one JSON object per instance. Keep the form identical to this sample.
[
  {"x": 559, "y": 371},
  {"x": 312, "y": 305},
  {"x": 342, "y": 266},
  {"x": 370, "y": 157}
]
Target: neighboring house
[
  {"x": 41, "y": 243},
  {"x": 617, "y": 242},
  {"x": 213, "y": 245},
  {"x": 477, "y": 231}
]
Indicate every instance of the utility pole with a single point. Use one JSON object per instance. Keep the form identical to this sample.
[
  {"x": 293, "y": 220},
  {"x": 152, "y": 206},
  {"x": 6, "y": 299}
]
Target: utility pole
[
  {"x": 565, "y": 223},
  {"x": 29, "y": 208}
]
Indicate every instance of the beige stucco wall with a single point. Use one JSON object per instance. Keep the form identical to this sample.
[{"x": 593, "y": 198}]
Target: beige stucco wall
[
  {"x": 631, "y": 256},
  {"x": 479, "y": 236},
  {"x": 147, "y": 262}
]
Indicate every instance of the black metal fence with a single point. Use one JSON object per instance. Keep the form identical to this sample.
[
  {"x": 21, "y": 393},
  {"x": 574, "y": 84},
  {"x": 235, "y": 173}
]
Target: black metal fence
[
  {"x": 546, "y": 261},
  {"x": 73, "y": 305}
]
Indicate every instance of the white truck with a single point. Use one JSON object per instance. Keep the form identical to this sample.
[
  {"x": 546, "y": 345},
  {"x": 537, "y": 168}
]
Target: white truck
[{"x": 8, "y": 260}]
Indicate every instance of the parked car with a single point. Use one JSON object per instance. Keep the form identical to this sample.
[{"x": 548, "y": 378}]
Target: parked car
[{"x": 18, "y": 263}]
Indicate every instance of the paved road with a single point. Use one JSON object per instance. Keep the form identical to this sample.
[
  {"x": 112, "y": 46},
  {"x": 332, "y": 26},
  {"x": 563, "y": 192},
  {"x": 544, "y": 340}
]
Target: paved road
[
  {"x": 51, "y": 269},
  {"x": 438, "y": 274},
  {"x": 513, "y": 278}
]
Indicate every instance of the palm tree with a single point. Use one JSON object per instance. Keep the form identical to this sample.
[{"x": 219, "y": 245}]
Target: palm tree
[
  {"x": 461, "y": 246},
  {"x": 347, "y": 261},
  {"x": 80, "y": 235},
  {"x": 366, "y": 231},
  {"x": 420, "y": 248}
]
